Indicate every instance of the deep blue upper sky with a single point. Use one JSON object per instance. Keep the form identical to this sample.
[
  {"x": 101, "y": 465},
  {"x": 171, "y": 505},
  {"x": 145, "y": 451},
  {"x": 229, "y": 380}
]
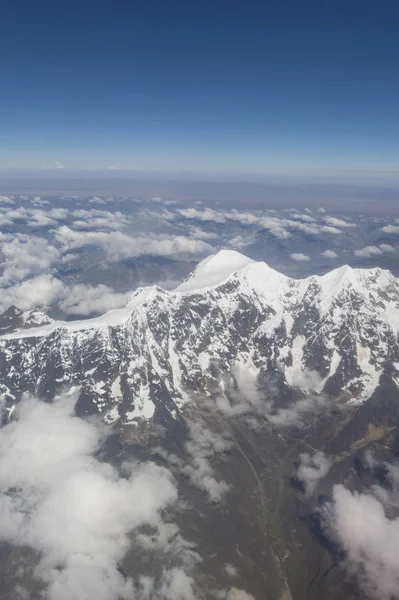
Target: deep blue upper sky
[{"x": 213, "y": 86}]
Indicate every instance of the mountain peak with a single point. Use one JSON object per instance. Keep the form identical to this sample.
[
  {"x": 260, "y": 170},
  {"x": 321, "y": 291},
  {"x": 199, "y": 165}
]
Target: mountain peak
[{"x": 214, "y": 270}]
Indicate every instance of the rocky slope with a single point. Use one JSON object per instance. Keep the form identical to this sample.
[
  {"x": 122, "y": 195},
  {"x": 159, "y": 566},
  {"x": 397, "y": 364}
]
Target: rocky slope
[{"x": 335, "y": 334}]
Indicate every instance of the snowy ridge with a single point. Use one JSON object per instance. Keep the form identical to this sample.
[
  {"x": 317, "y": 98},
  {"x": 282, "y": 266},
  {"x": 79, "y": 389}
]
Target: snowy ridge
[
  {"x": 215, "y": 271},
  {"x": 332, "y": 334}
]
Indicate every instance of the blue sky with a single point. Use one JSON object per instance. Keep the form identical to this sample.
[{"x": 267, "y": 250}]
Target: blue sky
[{"x": 234, "y": 87}]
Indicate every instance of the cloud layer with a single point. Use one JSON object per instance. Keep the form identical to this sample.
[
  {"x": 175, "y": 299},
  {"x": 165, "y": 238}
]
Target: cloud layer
[{"x": 74, "y": 510}]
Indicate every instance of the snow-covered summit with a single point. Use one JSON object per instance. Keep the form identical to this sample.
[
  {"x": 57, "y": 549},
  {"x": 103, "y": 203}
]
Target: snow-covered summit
[{"x": 214, "y": 270}]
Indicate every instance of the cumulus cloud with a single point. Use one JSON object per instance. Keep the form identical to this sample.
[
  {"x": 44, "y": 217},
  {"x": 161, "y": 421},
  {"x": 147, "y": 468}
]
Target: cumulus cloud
[
  {"x": 36, "y": 292},
  {"x": 99, "y": 219},
  {"x": 97, "y": 200},
  {"x": 370, "y": 540},
  {"x": 366, "y": 527},
  {"x": 244, "y": 395},
  {"x": 86, "y": 299},
  {"x": 298, "y": 256},
  {"x": 390, "y": 229},
  {"x": 37, "y": 201},
  {"x": 230, "y": 570},
  {"x": 311, "y": 469},
  {"x": 237, "y": 594},
  {"x": 6, "y": 200},
  {"x": 329, "y": 254},
  {"x": 304, "y": 217},
  {"x": 295, "y": 414},
  {"x": 334, "y": 222},
  {"x": 207, "y": 214},
  {"x": 201, "y": 447},
  {"x": 329, "y": 229},
  {"x": 33, "y": 217},
  {"x": 241, "y": 391},
  {"x": 25, "y": 256},
  {"x": 368, "y": 251},
  {"x": 118, "y": 245},
  {"x": 73, "y": 510},
  {"x": 281, "y": 228},
  {"x": 387, "y": 248},
  {"x": 44, "y": 291},
  {"x": 239, "y": 242},
  {"x": 196, "y": 232}
]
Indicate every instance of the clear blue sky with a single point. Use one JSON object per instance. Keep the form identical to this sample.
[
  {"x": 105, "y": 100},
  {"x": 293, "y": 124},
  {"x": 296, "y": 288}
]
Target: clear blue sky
[{"x": 234, "y": 86}]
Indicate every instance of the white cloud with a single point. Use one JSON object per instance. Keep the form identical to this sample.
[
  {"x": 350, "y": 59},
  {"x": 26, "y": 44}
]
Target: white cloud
[
  {"x": 37, "y": 292},
  {"x": 329, "y": 254},
  {"x": 39, "y": 202},
  {"x": 202, "y": 445},
  {"x": 311, "y": 469},
  {"x": 96, "y": 200},
  {"x": 74, "y": 510},
  {"x": 374, "y": 250},
  {"x": 176, "y": 585},
  {"x": 6, "y": 200},
  {"x": 304, "y": 217},
  {"x": 334, "y": 222},
  {"x": 59, "y": 214},
  {"x": 368, "y": 251},
  {"x": 298, "y": 256},
  {"x": 242, "y": 394},
  {"x": 86, "y": 299},
  {"x": 390, "y": 229},
  {"x": 34, "y": 217},
  {"x": 118, "y": 245},
  {"x": 370, "y": 540},
  {"x": 196, "y": 232},
  {"x": 276, "y": 227},
  {"x": 305, "y": 408},
  {"x": 25, "y": 256},
  {"x": 99, "y": 219},
  {"x": 321, "y": 210},
  {"x": 281, "y": 228},
  {"x": 238, "y": 242},
  {"x": 230, "y": 570},
  {"x": 387, "y": 248},
  {"x": 207, "y": 214},
  {"x": 237, "y": 594},
  {"x": 329, "y": 229}
]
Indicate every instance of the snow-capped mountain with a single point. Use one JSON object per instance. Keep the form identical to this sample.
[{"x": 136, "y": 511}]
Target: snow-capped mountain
[
  {"x": 14, "y": 318},
  {"x": 335, "y": 334}
]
